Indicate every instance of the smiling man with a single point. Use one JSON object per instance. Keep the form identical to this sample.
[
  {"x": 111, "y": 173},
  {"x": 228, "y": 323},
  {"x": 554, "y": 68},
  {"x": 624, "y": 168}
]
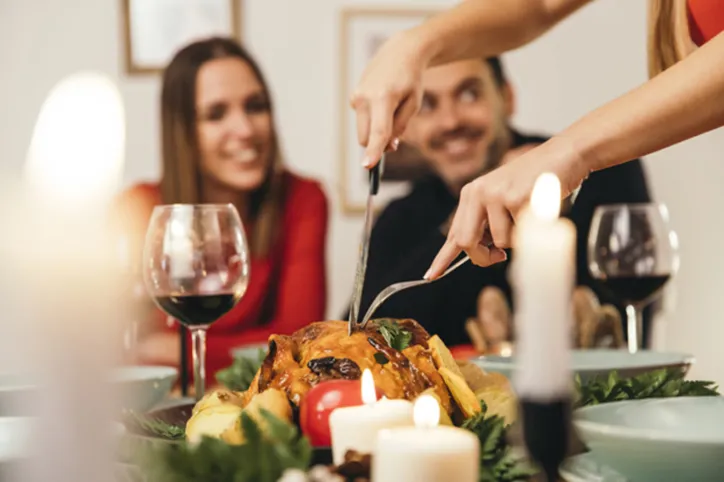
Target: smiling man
[{"x": 462, "y": 131}]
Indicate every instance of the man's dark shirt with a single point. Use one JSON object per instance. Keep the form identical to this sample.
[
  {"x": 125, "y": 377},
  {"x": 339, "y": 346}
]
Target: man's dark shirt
[{"x": 407, "y": 236}]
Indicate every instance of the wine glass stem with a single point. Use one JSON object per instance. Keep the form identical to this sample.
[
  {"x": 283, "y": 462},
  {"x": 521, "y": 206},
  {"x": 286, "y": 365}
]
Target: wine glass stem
[
  {"x": 198, "y": 340},
  {"x": 634, "y": 325}
]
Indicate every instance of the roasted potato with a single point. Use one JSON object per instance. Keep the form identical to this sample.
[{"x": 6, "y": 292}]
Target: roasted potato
[
  {"x": 442, "y": 356},
  {"x": 219, "y": 397},
  {"x": 493, "y": 389},
  {"x": 212, "y": 421},
  {"x": 461, "y": 392}
]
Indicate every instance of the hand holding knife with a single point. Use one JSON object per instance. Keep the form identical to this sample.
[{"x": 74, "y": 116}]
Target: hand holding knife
[{"x": 375, "y": 175}]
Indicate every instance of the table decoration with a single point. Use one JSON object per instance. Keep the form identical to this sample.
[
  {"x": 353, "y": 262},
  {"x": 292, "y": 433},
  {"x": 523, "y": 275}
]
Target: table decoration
[
  {"x": 64, "y": 279},
  {"x": 426, "y": 452},
  {"x": 494, "y": 425},
  {"x": 543, "y": 280},
  {"x": 356, "y": 427}
]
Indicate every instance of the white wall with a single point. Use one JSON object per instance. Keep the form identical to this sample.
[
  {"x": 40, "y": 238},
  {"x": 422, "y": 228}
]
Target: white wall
[{"x": 591, "y": 58}]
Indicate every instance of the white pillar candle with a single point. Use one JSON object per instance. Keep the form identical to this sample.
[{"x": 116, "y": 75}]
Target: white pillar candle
[
  {"x": 355, "y": 428},
  {"x": 426, "y": 452},
  {"x": 543, "y": 282},
  {"x": 71, "y": 175}
]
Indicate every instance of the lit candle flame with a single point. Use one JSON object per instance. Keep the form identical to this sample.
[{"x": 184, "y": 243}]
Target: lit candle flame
[
  {"x": 77, "y": 149},
  {"x": 426, "y": 412},
  {"x": 545, "y": 200},
  {"x": 369, "y": 396}
]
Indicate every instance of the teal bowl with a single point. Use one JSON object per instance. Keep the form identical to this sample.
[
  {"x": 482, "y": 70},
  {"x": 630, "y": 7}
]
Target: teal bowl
[
  {"x": 659, "y": 439},
  {"x": 144, "y": 387},
  {"x": 590, "y": 364}
]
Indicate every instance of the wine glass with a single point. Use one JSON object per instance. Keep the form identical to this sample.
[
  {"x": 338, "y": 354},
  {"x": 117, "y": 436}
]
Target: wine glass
[
  {"x": 632, "y": 251},
  {"x": 196, "y": 268}
]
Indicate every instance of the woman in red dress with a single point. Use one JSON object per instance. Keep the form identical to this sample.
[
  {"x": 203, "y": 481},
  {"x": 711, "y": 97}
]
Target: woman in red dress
[
  {"x": 684, "y": 98},
  {"x": 219, "y": 145}
]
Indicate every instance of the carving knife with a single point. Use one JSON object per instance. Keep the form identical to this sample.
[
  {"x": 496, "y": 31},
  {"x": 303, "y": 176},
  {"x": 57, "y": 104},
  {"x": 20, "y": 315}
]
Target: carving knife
[{"x": 359, "y": 278}]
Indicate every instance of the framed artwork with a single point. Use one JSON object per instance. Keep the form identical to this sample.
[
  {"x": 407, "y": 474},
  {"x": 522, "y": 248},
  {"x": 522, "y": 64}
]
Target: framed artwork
[
  {"x": 362, "y": 32},
  {"x": 154, "y": 30}
]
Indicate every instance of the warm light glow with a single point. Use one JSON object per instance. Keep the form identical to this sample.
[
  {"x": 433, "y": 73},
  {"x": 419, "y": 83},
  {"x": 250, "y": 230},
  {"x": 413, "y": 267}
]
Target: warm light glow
[
  {"x": 369, "y": 396},
  {"x": 506, "y": 349},
  {"x": 545, "y": 200},
  {"x": 426, "y": 412},
  {"x": 77, "y": 149}
]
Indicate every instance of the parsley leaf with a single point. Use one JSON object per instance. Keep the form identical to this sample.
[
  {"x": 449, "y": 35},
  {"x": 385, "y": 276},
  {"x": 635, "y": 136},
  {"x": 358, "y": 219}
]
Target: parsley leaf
[
  {"x": 497, "y": 462},
  {"x": 264, "y": 457},
  {"x": 663, "y": 383},
  {"x": 239, "y": 375},
  {"x": 394, "y": 334},
  {"x": 155, "y": 426}
]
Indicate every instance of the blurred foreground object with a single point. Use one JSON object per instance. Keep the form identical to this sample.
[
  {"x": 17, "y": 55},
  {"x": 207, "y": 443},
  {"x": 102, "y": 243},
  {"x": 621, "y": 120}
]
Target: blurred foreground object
[{"x": 64, "y": 284}]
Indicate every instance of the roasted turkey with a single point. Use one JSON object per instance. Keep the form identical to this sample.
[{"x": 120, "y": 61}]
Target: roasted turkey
[{"x": 324, "y": 350}]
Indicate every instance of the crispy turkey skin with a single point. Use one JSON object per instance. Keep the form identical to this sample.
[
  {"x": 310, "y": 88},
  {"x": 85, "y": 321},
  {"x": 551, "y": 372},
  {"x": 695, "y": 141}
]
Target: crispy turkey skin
[{"x": 324, "y": 351}]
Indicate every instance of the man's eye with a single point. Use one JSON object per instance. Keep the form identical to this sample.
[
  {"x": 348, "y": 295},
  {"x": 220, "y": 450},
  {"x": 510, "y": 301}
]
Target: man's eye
[{"x": 469, "y": 95}]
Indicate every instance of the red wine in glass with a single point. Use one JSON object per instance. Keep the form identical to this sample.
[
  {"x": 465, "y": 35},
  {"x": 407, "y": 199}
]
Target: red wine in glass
[
  {"x": 198, "y": 310},
  {"x": 196, "y": 269},
  {"x": 632, "y": 252}
]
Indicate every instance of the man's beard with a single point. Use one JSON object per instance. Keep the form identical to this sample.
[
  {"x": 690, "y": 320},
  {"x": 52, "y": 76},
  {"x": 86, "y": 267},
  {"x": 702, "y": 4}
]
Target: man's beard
[{"x": 492, "y": 157}]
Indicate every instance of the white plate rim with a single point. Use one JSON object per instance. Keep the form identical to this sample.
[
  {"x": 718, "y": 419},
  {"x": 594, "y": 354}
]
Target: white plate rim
[
  {"x": 642, "y": 434},
  {"x": 677, "y": 358},
  {"x": 569, "y": 476}
]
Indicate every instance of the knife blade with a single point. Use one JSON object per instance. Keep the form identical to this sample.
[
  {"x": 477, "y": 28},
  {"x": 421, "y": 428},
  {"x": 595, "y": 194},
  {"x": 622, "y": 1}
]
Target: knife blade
[{"x": 359, "y": 277}]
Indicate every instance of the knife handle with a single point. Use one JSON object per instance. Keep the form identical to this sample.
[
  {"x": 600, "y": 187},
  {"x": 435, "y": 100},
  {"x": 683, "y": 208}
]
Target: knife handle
[{"x": 375, "y": 176}]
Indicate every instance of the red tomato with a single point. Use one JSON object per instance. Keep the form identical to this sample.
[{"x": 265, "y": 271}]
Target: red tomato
[{"x": 319, "y": 402}]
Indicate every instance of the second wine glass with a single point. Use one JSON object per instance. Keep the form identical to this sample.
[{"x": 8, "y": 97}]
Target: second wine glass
[
  {"x": 632, "y": 251},
  {"x": 196, "y": 268}
]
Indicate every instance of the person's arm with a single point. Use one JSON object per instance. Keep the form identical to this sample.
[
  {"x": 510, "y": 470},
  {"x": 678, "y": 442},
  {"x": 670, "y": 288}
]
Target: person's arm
[
  {"x": 485, "y": 28},
  {"x": 678, "y": 104},
  {"x": 390, "y": 92}
]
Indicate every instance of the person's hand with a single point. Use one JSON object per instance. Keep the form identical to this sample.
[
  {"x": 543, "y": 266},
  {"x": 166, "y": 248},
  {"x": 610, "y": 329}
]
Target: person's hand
[
  {"x": 388, "y": 95},
  {"x": 495, "y": 200}
]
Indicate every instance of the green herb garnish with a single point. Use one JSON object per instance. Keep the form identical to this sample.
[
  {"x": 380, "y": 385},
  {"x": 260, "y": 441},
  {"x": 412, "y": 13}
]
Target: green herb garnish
[
  {"x": 394, "y": 334},
  {"x": 662, "y": 383},
  {"x": 239, "y": 375},
  {"x": 264, "y": 456},
  {"x": 381, "y": 358},
  {"x": 497, "y": 462},
  {"x": 155, "y": 426}
]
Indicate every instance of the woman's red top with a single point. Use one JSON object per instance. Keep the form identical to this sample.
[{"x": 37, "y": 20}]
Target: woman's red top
[
  {"x": 706, "y": 19},
  {"x": 287, "y": 289}
]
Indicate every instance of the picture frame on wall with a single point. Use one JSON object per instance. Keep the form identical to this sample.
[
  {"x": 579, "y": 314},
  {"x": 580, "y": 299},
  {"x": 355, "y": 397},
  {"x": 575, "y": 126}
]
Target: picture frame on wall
[
  {"x": 362, "y": 32},
  {"x": 154, "y": 30}
]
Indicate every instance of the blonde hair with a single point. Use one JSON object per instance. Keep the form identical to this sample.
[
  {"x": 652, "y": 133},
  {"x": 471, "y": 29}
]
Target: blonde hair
[{"x": 669, "y": 39}]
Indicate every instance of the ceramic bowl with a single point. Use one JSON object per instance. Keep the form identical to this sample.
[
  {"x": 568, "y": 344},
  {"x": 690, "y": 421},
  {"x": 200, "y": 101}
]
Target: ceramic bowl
[
  {"x": 600, "y": 362},
  {"x": 144, "y": 387},
  {"x": 660, "y": 439}
]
